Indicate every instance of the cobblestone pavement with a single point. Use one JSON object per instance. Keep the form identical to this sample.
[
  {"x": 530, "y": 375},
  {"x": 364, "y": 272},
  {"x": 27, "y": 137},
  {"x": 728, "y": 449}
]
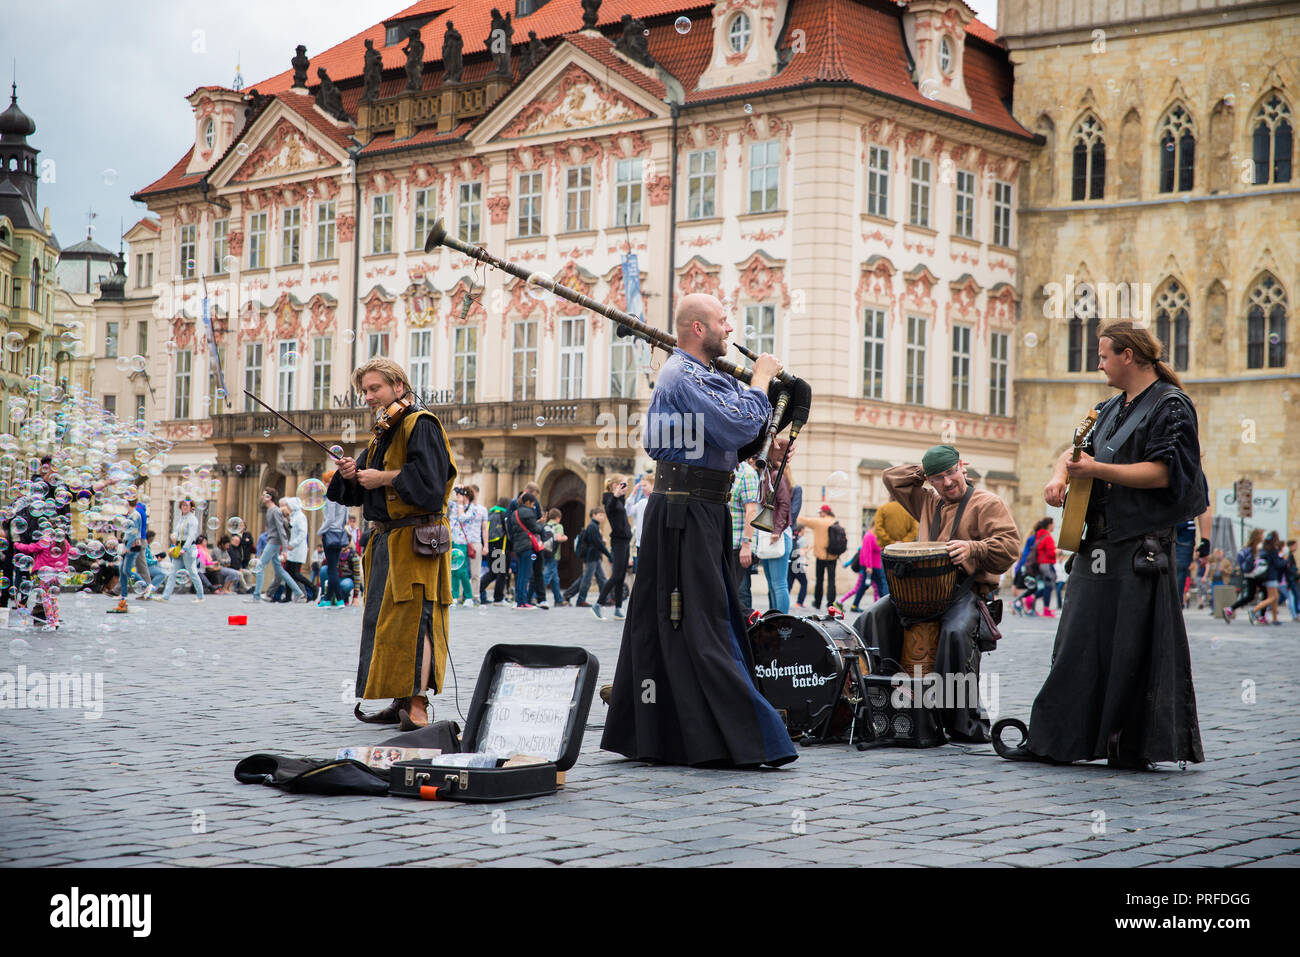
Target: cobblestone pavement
[{"x": 185, "y": 696}]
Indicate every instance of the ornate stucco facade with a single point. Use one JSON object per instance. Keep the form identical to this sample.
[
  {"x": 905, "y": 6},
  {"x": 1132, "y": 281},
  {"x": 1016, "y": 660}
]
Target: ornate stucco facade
[
  {"x": 1182, "y": 98},
  {"x": 858, "y": 213}
]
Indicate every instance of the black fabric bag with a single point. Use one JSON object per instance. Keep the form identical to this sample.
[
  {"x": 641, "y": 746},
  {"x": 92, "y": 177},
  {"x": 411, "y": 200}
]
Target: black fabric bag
[
  {"x": 837, "y": 541},
  {"x": 311, "y": 776}
]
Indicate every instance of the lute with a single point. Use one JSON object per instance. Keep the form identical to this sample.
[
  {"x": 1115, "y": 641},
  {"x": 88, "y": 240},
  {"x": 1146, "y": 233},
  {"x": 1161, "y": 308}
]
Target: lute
[{"x": 1077, "y": 493}]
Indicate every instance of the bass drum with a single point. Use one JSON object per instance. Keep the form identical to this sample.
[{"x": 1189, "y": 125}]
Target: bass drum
[{"x": 811, "y": 670}]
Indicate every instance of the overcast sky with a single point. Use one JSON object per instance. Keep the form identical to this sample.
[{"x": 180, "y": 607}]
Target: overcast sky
[{"x": 106, "y": 83}]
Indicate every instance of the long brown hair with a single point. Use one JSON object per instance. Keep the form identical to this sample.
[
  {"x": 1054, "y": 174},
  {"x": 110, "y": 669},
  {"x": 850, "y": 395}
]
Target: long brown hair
[{"x": 1123, "y": 334}]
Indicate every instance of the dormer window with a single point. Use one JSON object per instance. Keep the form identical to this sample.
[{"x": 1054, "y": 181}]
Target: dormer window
[
  {"x": 395, "y": 33},
  {"x": 945, "y": 56},
  {"x": 210, "y": 133},
  {"x": 738, "y": 33}
]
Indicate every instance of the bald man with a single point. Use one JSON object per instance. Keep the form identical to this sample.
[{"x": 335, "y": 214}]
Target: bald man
[{"x": 684, "y": 690}]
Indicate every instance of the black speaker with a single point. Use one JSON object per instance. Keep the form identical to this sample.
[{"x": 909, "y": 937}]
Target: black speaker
[{"x": 894, "y": 714}]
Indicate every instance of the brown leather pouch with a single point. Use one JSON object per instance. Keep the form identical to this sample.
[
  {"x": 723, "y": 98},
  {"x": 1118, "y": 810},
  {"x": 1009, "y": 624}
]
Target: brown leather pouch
[{"x": 431, "y": 540}]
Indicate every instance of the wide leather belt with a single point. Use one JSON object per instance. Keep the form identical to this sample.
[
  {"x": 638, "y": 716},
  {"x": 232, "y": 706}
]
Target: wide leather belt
[
  {"x": 707, "y": 485},
  {"x": 404, "y": 522}
]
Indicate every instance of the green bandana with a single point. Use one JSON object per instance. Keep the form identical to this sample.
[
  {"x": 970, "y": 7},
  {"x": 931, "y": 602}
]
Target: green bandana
[{"x": 939, "y": 459}]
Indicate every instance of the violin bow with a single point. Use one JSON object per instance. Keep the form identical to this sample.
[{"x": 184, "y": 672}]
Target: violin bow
[{"x": 291, "y": 425}]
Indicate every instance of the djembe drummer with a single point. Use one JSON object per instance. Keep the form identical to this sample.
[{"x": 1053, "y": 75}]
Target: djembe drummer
[{"x": 981, "y": 539}]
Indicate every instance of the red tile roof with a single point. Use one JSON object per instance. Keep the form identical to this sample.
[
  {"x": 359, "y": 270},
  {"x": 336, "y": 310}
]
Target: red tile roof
[
  {"x": 851, "y": 42},
  {"x": 384, "y": 142},
  {"x": 175, "y": 178}
]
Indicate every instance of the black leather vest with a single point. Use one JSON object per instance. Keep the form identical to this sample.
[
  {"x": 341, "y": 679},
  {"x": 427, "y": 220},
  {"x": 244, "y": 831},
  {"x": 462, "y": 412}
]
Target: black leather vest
[{"x": 1127, "y": 512}]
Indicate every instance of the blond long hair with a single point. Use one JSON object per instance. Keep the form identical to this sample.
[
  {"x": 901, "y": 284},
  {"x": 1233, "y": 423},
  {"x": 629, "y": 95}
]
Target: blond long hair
[{"x": 1146, "y": 347}]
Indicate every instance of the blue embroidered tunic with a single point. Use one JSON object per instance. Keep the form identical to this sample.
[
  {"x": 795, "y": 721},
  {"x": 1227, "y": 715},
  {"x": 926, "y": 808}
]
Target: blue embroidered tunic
[{"x": 700, "y": 416}]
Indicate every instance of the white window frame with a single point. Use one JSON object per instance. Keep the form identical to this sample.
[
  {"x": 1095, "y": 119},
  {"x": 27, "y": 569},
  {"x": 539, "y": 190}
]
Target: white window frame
[
  {"x": 257, "y": 240},
  {"x": 523, "y": 360},
  {"x": 627, "y": 192},
  {"x": 220, "y": 246},
  {"x": 919, "y": 199},
  {"x": 377, "y": 344},
  {"x": 420, "y": 364},
  {"x": 182, "y": 383},
  {"x": 464, "y": 364},
  {"x": 577, "y": 199},
  {"x": 423, "y": 215},
  {"x": 739, "y": 32},
  {"x": 286, "y": 377},
  {"x": 529, "y": 221},
  {"x": 291, "y": 236},
  {"x": 765, "y": 176},
  {"x": 573, "y": 353},
  {"x": 874, "y": 354},
  {"x": 322, "y": 364},
  {"x": 964, "y": 206},
  {"x": 914, "y": 361},
  {"x": 761, "y": 318},
  {"x": 1002, "y": 198},
  {"x": 140, "y": 408},
  {"x": 878, "y": 159},
  {"x": 962, "y": 336},
  {"x": 189, "y": 250},
  {"x": 112, "y": 341},
  {"x": 381, "y": 224},
  {"x": 999, "y": 372},
  {"x": 326, "y": 219},
  {"x": 254, "y": 356},
  {"x": 702, "y": 184},
  {"x": 469, "y": 210},
  {"x": 622, "y": 367}
]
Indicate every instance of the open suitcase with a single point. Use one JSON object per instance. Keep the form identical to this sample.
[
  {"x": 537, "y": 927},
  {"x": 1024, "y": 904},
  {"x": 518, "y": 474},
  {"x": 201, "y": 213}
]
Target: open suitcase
[{"x": 529, "y": 700}]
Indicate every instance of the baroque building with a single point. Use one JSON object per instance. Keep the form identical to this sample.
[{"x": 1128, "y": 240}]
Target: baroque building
[
  {"x": 845, "y": 174},
  {"x": 1165, "y": 192}
]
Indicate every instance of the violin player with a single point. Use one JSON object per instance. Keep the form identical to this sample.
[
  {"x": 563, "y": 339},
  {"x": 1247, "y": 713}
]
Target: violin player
[{"x": 402, "y": 482}]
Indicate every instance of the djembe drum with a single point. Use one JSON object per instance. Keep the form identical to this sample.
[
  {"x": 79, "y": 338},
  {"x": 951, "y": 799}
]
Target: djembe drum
[{"x": 922, "y": 582}]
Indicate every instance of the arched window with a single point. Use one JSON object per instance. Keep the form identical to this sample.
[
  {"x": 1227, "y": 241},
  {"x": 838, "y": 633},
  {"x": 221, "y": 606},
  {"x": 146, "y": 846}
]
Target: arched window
[
  {"x": 1266, "y": 324},
  {"x": 1177, "y": 151},
  {"x": 1271, "y": 142},
  {"x": 1076, "y": 345},
  {"x": 1172, "y": 311},
  {"x": 1089, "y": 160}
]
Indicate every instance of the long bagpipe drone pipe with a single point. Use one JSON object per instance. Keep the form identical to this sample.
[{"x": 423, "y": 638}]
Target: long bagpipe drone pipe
[{"x": 796, "y": 394}]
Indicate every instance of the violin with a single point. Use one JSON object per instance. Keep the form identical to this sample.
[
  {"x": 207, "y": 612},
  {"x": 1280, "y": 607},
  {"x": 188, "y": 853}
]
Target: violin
[{"x": 390, "y": 416}]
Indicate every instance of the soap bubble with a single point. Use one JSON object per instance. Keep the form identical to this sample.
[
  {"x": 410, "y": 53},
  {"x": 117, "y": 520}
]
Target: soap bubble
[
  {"x": 109, "y": 176},
  {"x": 1229, "y": 100},
  {"x": 229, "y": 263},
  {"x": 213, "y": 523},
  {"x": 1274, "y": 338},
  {"x": 289, "y": 360},
  {"x": 930, "y": 89},
  {"x": 540, "y": 421},
  {"x": 19, "y": 647},
  {"x": 336, "y": 451},
  {"x": 539, "y": 286},
  {"x": 243, "y": 149},
  {"x": 169, "y": 347},
  {"x": 14, "y": 341},
  {"x": 312, "y": 493},
  {"x": 682, "y": 25},
  {"x": 457, "y": 559},
  {"x": 179, "y": 656},
  {"x": 837, "y": 485},
  {"x": 749, "y": 108},
  {"x": 1031, "y": 339},
  {"x": 139, "y": 363},
  {"x": 266, "y": 433},
  {"x": 123, "y": 363},
  {"x": 349, "y": 335},
  {"x": 235, "y": 525},
  {"x": 110, "y": 655}
]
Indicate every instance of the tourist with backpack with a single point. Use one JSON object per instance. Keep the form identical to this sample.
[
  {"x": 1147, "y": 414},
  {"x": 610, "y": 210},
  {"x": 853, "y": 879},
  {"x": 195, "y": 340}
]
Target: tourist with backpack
[
  {"x": 830, "y": 541},
  {"x": 498, "y": 568},
  {"x": 589, "y": 548},
  {"x": 553, "y": 538}
]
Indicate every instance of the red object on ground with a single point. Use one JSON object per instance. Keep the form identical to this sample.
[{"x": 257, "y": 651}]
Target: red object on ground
[{"x": 237, "y": 620}]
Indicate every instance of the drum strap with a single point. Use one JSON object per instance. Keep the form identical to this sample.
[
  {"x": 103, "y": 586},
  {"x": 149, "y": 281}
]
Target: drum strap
[{"x": 936, "y": 523}]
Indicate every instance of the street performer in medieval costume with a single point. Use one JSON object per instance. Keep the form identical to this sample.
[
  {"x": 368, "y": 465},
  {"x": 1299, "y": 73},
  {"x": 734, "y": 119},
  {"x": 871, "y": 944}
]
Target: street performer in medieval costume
[
  {"x": 1120, "y": 685},
  {"x": 982, "y": 540},
  {"x": 684, "y": 691},
  {"x": 402, "y": 482}
]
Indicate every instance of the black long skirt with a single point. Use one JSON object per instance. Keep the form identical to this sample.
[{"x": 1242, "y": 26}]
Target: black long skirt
[
  {"x": 1120, "y": 666},
  {"x": 688, "y": 696}
]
